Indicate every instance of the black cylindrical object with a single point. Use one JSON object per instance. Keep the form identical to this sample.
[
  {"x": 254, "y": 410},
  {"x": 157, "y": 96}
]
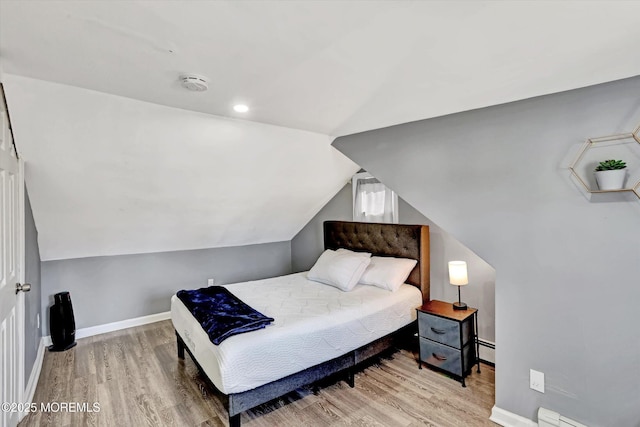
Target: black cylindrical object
[{"x": 62, "y": 324}]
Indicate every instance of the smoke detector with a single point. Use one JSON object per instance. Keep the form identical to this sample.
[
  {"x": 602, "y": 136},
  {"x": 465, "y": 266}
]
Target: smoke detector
[{"x": 194, "y": 82}]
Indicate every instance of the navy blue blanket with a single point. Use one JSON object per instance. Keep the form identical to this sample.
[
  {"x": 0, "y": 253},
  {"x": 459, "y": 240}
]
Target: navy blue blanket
[{"x": 221, "y": 313}]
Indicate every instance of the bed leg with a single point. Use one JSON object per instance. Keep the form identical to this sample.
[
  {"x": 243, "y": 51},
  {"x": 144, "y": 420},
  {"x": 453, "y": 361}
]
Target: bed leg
[
  {"x": 234, "y": 420},
  {"x": 351, "y": 378},
  {"x": 180, "y": 344}
]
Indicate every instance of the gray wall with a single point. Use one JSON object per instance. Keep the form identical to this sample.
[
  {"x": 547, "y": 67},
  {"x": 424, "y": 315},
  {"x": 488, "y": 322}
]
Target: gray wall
[
  {"x": 32, "y": 298},
  {"x": 480, "y": 293},
  {"x": 114, "y": 288},
  {"x": 307, "y": 246},
  {"x": 567, "y": 267}
]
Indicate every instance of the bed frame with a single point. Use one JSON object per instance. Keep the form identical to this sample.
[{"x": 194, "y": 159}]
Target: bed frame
[{"x": 396, "y": 240}]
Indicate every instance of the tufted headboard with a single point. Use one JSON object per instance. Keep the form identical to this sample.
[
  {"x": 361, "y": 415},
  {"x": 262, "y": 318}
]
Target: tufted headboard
[{"x": 395, "y": 240}]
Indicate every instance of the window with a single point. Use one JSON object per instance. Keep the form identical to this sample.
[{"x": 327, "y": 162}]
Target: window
[{"x": 372, "y": 201}]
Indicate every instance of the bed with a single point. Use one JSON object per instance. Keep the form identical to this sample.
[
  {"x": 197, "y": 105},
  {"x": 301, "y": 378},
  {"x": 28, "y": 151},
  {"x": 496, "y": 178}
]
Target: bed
[{"x": 318, "y": 330}]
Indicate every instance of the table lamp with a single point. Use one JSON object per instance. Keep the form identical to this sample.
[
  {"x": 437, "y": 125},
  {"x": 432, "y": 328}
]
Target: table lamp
[{"x": 458, "y": 277}]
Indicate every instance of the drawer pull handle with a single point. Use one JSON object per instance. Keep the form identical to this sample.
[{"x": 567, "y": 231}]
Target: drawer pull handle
[
  {"x": 438, "y": 331},
  {"x": 438, "y": 357}
]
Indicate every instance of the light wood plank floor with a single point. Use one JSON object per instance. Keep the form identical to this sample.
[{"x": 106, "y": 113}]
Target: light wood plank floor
[{"x": 137, "y": 379}]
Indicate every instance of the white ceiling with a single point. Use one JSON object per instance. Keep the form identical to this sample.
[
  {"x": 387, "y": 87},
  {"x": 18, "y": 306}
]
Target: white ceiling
[
  {"x": 109, "y": 175},
  {"x": 121, "y": 159},
  {"x": 334, "y": 67}
]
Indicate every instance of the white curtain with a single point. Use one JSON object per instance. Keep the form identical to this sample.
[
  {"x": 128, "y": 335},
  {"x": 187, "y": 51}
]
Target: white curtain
[{"x": 374, "y": 202}]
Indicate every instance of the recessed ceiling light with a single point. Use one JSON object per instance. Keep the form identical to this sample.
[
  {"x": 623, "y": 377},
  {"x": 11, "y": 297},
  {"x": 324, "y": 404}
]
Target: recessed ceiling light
[{"x": 240, "y": 108}]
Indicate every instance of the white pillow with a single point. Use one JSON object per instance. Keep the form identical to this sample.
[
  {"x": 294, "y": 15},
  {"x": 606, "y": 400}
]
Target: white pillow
[
  {"x": 364, "y": 254},
  {"x": 339, "y": 269},
  {"x": 387, "y": 272}
]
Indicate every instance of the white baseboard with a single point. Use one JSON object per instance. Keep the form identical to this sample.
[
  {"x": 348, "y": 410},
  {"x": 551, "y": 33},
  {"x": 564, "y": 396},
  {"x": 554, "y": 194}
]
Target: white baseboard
[
  {"x": 509, "y": 419},
  {"x": 30, "y": 389},
  {"x": 116, "y": 326}
]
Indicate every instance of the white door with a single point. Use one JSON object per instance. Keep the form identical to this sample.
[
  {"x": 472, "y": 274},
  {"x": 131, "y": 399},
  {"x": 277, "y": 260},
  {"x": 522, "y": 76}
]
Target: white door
[{"x": 11, "y": 303}]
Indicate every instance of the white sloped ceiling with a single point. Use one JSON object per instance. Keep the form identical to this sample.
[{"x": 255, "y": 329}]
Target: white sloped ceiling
[
  {"x": 334, "y": 67},
  {"x": 111, "y": 175}
]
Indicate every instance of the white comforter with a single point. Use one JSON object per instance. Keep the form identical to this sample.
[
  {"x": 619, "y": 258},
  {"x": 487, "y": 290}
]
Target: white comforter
[{"x": 313, "y": 323}]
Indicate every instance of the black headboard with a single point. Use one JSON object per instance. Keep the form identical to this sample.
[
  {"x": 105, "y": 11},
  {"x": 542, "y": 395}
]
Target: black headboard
[{"x": 395, "y": 240}]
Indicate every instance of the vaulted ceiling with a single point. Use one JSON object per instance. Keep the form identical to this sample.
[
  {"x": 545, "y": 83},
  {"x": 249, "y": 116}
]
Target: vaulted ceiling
[{"x": 117, "y": 151}]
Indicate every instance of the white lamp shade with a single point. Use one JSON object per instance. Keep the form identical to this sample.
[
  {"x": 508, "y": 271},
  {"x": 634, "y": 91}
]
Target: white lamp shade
[{"x": 458, "y": 273}]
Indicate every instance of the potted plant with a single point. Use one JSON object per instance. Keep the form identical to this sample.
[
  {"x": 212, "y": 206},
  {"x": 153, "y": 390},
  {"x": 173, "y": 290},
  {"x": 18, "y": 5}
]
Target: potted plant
[{"x": 610, "y": 174}]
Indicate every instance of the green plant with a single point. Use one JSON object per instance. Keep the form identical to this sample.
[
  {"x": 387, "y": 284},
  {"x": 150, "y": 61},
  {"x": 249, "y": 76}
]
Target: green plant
[{"x": 608, "y": 165}]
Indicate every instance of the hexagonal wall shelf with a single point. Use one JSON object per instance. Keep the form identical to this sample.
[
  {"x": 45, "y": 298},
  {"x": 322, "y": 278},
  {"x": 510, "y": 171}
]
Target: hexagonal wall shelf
[{"x": 624, "y": 146}]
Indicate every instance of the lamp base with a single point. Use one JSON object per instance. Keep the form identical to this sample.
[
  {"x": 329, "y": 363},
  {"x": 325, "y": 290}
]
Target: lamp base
[{"x": 459, "y": 306}]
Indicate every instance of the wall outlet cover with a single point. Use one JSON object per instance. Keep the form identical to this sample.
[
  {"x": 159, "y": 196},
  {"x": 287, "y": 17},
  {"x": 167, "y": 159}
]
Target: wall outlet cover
[
  {"x": 536, "y": 380},
  {"x": 210, "y": 282}
]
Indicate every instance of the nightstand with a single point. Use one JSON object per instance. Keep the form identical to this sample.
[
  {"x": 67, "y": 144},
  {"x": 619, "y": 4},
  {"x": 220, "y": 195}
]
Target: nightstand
[{"x": 448, "y": 338}]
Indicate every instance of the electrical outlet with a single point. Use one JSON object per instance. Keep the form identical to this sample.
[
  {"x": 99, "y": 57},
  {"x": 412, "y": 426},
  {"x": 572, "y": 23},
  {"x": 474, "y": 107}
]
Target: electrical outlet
[
  {"x": 210, "y": 282},
  {"x": 536, "y": 380}
]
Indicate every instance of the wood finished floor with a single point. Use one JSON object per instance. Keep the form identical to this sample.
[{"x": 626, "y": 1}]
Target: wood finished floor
[{"x": 137, "y": 379}]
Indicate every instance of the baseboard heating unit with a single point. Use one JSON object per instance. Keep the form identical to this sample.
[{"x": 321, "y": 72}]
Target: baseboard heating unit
[{"x": 547, "y": 418}]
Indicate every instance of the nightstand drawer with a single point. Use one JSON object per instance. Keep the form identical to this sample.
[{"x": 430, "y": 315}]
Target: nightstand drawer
[
  {"x": 438, "y": 329},
  {"x": 440, "y": 356}
]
